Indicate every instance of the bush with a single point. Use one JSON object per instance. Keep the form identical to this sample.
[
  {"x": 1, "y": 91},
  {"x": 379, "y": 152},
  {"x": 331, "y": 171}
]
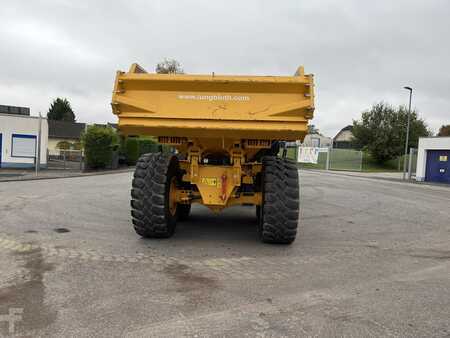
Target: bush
[
  {"x": 148, "y": 146},
  {"x": 99, "y": 143},
  {"x": 76, "y": 146},
  {"x": 132, "y": 150},
  {"x": 64, "y": 145},
  {"x": 133, "y": 147},
  {"x": 166, "y": 149}
]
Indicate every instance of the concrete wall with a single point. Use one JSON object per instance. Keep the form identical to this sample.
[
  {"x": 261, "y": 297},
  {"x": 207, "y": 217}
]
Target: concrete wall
[
  {"x": 23, "y": 125},
  {"x": 425, "y": 144}
]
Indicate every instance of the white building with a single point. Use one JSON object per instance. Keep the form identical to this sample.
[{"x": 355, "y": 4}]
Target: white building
[
  {"x": 19, "y": 140},
  {"x": 433, "y": 159},
  {"x": 317, "y": 141},
  {"x": 344, "y": 138}
]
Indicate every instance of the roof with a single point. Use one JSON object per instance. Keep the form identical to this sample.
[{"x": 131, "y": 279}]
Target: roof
[
  {"x": 108, "y": 124},
  {"x": 346, "y": 128},
  {"x": 65, "y": 129},
  {"x": 14, "y": 110},
  {"x": 21, "y": 116},
  {"x": 434, "y": 137}
]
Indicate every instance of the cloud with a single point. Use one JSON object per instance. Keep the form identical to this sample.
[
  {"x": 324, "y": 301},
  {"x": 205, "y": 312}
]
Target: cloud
[{"x": 360, "y": 52}]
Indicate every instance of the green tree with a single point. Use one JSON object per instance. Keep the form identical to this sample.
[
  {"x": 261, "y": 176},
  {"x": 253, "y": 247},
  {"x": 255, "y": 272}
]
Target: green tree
[
  {"x": 61, "y": 110},
  {"x": 169, "y": 66},
  {"x": 444, "y": 130},
  {"x": 382, "y": 131},
  {"x": 99, "y": 143}
]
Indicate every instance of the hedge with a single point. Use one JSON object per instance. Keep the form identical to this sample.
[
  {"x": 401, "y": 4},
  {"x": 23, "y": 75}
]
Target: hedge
[
  {"x": 133, "y": 147},
  {"x": 148, "y": 146},
  {"x": 132, "y": 150},
  {"x": 99, "y": 143}
]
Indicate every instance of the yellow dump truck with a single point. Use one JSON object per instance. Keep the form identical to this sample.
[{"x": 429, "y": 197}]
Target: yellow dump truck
[{"x": 226, "y": 133}]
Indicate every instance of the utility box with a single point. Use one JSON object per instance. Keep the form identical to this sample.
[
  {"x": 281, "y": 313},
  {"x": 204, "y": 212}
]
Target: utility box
[{"x": 433, "y": 159}]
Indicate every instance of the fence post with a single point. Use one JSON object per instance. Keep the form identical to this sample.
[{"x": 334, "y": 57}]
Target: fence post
[
  {"x": 361, "y": 160},
  {"x": 410, "y": 162},
  {"x": 327, "y": 164},
  {"x": 38, "y": 147}
]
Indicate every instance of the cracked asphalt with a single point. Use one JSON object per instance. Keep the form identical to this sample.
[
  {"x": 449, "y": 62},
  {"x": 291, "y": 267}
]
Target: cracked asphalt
[{"x": 372, "y": 259}]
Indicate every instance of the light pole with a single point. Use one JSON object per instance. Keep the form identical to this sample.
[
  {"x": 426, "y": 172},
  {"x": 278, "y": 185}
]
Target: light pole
[{"x": 407, "y": 132}]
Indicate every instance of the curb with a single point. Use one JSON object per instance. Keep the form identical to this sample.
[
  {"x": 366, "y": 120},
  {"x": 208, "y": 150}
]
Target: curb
[
  {"x": 37, "y": 178},
  {"x": 396, "y": 180}
]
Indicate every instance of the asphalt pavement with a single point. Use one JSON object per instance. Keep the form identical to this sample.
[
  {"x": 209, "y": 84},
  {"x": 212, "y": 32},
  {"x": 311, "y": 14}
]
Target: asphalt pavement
[{"x": 372, "y": 258}]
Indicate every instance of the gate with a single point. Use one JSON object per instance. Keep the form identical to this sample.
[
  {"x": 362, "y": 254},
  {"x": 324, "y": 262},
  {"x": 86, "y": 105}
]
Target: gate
[
  {"x": 412, "y": 163},
  {"x": 65, "y": 159}
]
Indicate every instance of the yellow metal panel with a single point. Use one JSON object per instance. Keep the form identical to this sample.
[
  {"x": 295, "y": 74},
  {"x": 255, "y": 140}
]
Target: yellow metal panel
[
  {"x": 214, "y": 129},
  {"x": 266, "y": 107},
  {"x": 211, "y": 185}
]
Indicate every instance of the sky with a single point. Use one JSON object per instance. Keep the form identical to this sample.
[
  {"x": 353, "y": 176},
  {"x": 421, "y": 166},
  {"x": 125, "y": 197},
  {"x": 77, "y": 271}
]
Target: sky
[{"x": 360, "y": 52}]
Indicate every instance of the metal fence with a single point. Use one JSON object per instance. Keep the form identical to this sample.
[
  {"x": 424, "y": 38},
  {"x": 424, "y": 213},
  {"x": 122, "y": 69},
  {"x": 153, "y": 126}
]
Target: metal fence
[
  {"x": 412, "y": 163},
  {"x": 332, "y": 159},
  {"x": 353, "y": 160},
  {"x": 65, "y": 159},
  {"x": 327, "y": 159},
  {"x": 345, "y": 159}
]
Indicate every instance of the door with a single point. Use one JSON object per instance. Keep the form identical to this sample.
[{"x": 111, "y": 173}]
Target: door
[{"x": 438, "y": 166}]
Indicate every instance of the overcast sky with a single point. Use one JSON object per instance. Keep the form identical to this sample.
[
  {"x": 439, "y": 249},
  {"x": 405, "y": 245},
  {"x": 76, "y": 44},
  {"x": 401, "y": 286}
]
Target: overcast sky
[{"x": 361, "y": 52}]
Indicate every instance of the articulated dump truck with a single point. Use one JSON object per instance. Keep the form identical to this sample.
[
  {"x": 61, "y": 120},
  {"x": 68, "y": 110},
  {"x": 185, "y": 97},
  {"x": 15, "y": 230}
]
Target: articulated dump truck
[{"x": 226, "y": 133}]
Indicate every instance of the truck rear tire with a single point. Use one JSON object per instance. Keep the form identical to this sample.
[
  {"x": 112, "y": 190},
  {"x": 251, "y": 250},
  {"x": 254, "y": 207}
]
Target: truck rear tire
[
  {"x": 154, "y": 210},
  {"x": 279, "y": 212}
]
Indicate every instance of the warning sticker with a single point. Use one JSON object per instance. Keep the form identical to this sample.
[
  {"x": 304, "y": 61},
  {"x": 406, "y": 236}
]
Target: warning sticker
[{"x": 212, "y": 181}]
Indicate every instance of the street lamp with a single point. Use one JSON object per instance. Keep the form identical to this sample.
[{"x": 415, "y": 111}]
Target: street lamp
[{"x": 407, "y": 132}]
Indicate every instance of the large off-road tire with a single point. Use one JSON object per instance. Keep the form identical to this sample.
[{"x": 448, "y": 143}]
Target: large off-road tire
[
  {"x": 153, "y": 210},
  {"x": 279, "y": 212}
]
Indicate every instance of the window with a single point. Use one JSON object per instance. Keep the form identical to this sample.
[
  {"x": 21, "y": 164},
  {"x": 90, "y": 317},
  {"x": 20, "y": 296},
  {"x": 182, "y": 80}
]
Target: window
[
  {"x": 23, "y": 145},
  {"x": 315, "y": 142}
]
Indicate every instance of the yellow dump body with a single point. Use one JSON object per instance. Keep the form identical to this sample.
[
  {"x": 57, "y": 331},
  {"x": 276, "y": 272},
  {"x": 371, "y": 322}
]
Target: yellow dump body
[{"x": 213, "y": 106}]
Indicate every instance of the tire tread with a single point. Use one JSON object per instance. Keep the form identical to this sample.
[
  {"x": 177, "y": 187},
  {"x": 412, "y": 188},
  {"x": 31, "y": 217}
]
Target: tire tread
[{"x": 280, "y": 211}]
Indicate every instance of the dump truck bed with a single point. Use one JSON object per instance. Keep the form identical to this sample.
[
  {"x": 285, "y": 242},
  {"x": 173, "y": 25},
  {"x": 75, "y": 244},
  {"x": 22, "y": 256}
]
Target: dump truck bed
[{"x": 241, "y": 107}]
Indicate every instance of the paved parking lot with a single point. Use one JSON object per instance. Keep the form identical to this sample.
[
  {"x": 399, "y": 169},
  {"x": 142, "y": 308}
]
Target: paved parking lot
[{"x": 372, "y": 259}]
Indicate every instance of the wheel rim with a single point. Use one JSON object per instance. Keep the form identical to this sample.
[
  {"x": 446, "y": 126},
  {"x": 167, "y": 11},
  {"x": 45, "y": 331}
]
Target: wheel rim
[{"x": 173, "y": 196}]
